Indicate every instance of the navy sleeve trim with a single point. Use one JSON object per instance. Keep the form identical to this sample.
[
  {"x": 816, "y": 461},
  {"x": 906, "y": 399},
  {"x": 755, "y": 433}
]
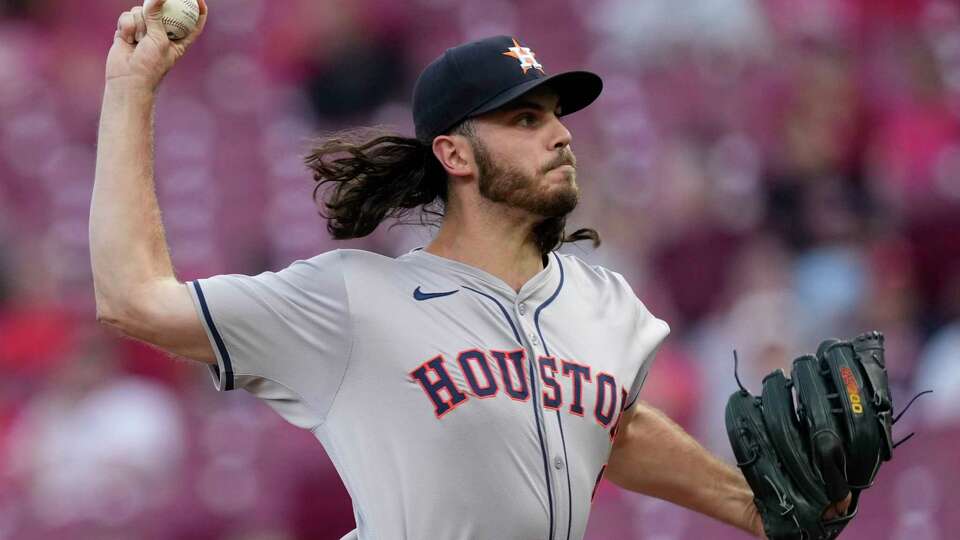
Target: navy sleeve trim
[
  {"x": 637, "y": 395},
  {"x": 227, "y": 376}
]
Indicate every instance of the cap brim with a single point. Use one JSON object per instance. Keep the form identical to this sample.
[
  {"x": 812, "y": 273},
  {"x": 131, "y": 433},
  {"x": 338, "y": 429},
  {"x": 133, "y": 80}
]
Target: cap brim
[{"x": 576, "y": 90}]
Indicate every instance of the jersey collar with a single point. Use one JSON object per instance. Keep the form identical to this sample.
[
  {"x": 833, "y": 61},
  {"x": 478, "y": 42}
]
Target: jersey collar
[{"x": 538, "y": 288}]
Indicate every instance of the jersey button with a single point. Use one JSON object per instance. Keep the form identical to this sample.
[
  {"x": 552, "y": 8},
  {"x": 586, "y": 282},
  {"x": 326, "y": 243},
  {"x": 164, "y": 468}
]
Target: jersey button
[
  {"x": 557, "y": 463},
  {"x": 534, "y": 340},
  {"x": 523, "y": 309}
]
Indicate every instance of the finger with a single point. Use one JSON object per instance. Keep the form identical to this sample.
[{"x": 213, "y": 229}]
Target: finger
[
  {"x": 118, "y": 38},
  {"x": 151, "y": 7},
  {"x": 832, "y": 512},
  {"x": 838, "y": 509},
  {"x": 201, "y": 23},
  {"x": 127, "y": 27},
  {"x": 152, "y": 11},
  {"x": 844, "y": 505},
  {"x": 203, "y": 16},
  {"x": 140, "y": 21}
]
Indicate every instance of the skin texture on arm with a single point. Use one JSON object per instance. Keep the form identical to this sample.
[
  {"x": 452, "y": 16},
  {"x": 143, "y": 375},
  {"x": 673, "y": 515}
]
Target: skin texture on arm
[
  {"x": 655, "y": 456},
  {"x": 134, "y": 283}
]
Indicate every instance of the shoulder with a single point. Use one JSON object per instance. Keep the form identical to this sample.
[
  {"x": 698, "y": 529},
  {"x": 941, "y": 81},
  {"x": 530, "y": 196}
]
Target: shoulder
[
  {"x": 603, "y": 284},
  {"x": 346, "y": 260},
  {"x": 585, "y": 274},
  {"x": 367, "y": 273},
  {"x": 334, "y": 267},
  {"x": 361, "y": 258}
]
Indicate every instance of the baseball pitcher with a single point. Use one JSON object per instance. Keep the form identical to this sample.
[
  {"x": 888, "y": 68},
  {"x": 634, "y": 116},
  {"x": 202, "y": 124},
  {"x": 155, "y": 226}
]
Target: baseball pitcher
[{"x": 478, "y": 387}]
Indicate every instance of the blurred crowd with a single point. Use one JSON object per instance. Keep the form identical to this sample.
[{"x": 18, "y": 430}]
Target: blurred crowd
[{"x": 766, "y": 173}]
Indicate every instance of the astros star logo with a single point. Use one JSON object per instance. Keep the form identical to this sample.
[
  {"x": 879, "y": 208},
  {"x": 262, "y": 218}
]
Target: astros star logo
[{"x": 526, "y": 57}]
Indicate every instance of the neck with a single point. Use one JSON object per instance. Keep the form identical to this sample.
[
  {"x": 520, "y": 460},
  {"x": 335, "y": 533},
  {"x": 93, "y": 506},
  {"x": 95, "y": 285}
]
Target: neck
[{"x": 496, "y": 239}]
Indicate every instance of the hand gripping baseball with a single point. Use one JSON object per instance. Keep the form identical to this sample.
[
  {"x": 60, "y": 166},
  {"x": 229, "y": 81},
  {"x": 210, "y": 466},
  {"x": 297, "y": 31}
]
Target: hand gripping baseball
[{"x": 142, "y": 54}]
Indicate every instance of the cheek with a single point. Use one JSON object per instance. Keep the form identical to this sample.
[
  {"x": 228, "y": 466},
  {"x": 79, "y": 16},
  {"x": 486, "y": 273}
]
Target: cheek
[
  {"x": 518, "y": 156},
  {"x": 523, "y": 167}
]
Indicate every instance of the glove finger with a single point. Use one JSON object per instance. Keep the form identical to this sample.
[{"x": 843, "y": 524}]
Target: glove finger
[
  {"x": 869, "y": 351},
  {"x": 854, "y": 411},
  {"x": 788, "y": 437},
  {"x": 774, "y": 494},
  {"x": 825, "y": 434}
]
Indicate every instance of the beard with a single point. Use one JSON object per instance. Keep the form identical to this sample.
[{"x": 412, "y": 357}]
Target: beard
[{"x": 515, "y": 188}]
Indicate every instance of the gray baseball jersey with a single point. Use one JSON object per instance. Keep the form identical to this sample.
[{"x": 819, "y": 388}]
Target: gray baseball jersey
[{"x": 451, "y": 405}]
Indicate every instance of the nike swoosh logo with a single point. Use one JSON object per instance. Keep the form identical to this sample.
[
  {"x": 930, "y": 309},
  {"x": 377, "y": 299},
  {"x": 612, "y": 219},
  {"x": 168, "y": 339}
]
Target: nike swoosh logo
[{"x": 420, "y": 296}]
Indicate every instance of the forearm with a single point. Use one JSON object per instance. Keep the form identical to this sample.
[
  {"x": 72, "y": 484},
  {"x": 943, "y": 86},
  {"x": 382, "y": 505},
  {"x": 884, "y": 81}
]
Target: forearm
[
  {"x": 655, "y": 456},
  {"x": 127, "y": 245}
]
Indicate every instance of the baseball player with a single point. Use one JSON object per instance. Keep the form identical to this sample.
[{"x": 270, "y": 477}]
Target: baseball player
[{"x": 479, "y": 387}]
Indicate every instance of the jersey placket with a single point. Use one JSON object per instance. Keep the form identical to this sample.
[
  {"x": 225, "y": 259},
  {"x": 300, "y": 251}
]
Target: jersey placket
[{"x": 556, "y": 464}]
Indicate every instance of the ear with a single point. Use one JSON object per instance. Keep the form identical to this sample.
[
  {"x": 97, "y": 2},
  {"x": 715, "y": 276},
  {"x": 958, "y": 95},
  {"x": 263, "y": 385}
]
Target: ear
[{"x": 455, "y": 154}]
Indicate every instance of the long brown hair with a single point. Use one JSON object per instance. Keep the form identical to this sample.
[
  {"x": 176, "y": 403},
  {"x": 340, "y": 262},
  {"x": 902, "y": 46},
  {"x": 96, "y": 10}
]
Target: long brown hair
[{"x": 371, "y": 175}]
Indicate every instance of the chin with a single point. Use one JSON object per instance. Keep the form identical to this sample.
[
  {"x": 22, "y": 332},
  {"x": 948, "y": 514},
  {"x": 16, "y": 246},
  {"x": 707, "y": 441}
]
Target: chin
[
  {"x": 562, "y": 202},
  {"x": 567, "y": 189}
]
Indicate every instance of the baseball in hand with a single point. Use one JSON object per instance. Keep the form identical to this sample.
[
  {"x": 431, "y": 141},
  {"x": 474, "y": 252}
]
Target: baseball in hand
[{"x": 180, "y": 17}]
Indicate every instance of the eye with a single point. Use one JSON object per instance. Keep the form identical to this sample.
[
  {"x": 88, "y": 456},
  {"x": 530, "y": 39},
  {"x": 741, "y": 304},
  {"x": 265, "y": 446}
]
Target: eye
[{"x": 527, "y": 119}]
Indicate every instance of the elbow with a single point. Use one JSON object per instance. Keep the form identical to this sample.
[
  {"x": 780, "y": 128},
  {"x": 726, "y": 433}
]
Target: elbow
[
  {"x": 104, "y": 318},
  {"x": 139, "y": 313},
  {"x": 107, "y": 314},
  {"x": 110, "y": 317},
  {"x": 121, "y": 317},
  {"x": 119, "y": 310},
  {"x": 125, "y": 323}
]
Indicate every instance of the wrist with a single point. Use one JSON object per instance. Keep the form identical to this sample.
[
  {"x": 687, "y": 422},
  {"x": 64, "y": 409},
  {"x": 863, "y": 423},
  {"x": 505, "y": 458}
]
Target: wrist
[
  {"x": 753, "y": 522},
  {"x": 130, "y": 87},
  {"x": 742, "y": 511},
  {"x": 750, "y": 519}
]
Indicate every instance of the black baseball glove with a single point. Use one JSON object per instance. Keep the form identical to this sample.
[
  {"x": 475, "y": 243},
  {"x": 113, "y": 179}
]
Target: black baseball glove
[{"x": 800, "y": 460}]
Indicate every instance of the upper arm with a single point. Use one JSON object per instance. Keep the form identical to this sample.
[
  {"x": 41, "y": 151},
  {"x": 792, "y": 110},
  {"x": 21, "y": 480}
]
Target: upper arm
[
  {"x": 620, "y": 464},
  {"x": 646, "y": 438},
  {"x": 284, "y": 336},
  {"x": 627, "y": 426},
  {"x": 291, "y": 329},
  {"x": 162, "y": 313}
]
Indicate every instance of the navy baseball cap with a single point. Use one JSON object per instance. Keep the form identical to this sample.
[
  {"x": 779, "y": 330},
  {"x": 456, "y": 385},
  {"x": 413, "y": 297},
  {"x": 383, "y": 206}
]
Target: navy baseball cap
[{"x": 480, "y": 76}]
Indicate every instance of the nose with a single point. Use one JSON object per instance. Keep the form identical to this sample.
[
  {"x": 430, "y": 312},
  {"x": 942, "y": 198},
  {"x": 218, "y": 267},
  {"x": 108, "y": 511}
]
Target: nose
[{"x": 561, "y": 136}]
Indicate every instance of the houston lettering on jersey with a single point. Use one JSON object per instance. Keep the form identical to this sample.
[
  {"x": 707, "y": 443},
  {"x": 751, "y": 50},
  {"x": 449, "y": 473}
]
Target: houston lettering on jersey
[{"x": 478, "y": 367}]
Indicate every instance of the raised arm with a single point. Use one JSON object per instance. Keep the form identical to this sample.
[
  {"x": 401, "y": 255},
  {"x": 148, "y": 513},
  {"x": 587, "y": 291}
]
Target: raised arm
[{"x": 136, "y": 289}]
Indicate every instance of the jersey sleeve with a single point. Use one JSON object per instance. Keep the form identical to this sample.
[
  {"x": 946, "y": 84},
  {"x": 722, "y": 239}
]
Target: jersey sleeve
[
  {"x": 283, "y": 336},
  {"x": 650, "y": 334}
]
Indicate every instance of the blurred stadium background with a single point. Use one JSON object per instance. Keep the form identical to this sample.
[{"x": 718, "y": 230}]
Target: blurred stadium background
[{"x": 765, "y": 173}]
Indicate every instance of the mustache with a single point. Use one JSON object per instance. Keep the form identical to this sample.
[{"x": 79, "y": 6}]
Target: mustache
[{"x": 565, "y": 157}]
